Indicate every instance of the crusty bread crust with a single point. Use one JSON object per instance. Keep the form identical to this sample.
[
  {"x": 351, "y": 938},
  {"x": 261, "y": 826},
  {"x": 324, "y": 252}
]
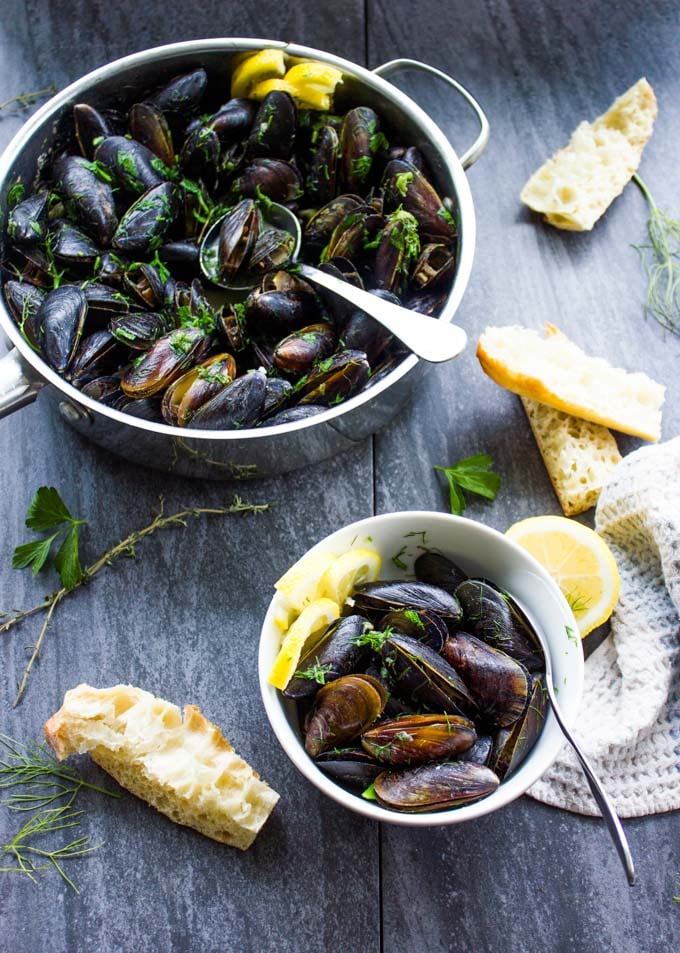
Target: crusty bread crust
[
  {"x": 554, "y": 371},
  {"x": 180, "y": 763}
]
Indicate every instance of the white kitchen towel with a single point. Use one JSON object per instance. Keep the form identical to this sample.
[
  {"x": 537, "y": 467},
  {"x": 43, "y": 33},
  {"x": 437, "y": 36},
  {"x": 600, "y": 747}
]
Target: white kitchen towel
[{"x": 629, "y": 726}]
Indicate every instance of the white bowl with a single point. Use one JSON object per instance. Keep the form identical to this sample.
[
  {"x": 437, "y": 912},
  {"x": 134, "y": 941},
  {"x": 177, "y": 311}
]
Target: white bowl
[{"x": 480, "y": 551}]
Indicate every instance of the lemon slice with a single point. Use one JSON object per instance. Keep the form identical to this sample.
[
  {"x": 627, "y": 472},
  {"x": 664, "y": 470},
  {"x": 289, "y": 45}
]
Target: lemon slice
[
  {"x": 320, "y": 75},
  {"x": 306, "y": 98},
  {"x": 301, "y": 583},
  {"x": 348, "y": 571},
  {"x": 265, "y": 64},
  {"x": 579, "y": 561},
  {"x": 313, "y": 620}
]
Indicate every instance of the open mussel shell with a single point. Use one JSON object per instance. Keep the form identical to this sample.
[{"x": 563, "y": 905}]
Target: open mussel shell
[
  {"x": 98, "y": 354},
  {"x": 398, "y": 248},
  {"x": 417, "y": 739},
  {"x": 323, "y": 223},
  {"x": 435, "y": 266},
  {"x": 103, "y": 301},
  {"x": 283, "y": 303},
  {"x": 27, "y": 220},
  {"x": 352, "y": 766},
  {"x": 438, "y": 570},
  {"x": 336, "y": 378},
  {"x": 297, "y": 353},
  {"x": 236, "y": 406},
  {"x": 149, "y": 126},
  {"x": 422, "y": 674},
  {"x": 434, "y": 787},
  {"x": 419, "y": 624},
  {"x": 91, "y": 199},
  {"x": 272, "y": 250},
  {"x": 196, "y": 387},
  {"x": 377, "y": 598},
  {"x": 237, "y": 237},
  {"x": 351, "y": 235},
  {"x": 513, "y": 744},
  {"x": 60, "y": 318},
  {"x": 139, "y": 329},
  {"x": 480, "y": 752},
  {"x": 334, "y": 655},
  {"x": 72, "y": 247},
  {"x": 499, "y": 684},
  {"x": 493, "y": 617},
  {"x": 342, "y": 710},
  {"x": 167, "y": 359}
]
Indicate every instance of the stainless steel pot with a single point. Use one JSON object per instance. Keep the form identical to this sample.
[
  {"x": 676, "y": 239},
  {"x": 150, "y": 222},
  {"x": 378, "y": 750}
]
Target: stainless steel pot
[{"x": 231, "y": 454}]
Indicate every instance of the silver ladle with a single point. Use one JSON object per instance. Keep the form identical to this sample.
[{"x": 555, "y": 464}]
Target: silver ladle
[
  {"x": 427, "y": 337},
  {"x": 606, "y": 807}
]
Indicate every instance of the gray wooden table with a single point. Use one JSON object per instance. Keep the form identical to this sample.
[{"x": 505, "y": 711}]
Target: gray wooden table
[{"x": 183, "y": 621}]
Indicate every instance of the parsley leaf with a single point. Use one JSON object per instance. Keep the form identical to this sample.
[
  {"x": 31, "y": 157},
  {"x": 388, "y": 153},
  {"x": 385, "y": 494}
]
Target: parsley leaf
[
  {"x": 473, "y": 474},
  {"x": 48, "y": 511}
]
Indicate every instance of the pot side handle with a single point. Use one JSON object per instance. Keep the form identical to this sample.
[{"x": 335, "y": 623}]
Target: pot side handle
[
  {"x": 16, "y": 389},
  {"x": 474, "y": 152}
]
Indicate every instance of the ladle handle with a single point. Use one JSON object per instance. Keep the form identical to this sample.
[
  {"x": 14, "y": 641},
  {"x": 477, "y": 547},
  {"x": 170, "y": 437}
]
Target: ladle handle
[
  {"x": 606, "y": 807},
  {"x": 478, "y": 146},
  {"x": 429, "y": 338}
]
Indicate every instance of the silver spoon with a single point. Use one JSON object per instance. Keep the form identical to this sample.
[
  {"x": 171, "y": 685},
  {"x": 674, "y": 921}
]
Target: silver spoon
[
  {"x": 606, "y": 807},
  {"x": 433, "y": 340}
]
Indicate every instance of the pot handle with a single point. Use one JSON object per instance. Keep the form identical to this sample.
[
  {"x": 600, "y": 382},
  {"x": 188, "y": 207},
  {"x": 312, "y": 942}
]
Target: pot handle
[
  {"x": 478, "y": 146},
  {"x": 16, "y": 390}
]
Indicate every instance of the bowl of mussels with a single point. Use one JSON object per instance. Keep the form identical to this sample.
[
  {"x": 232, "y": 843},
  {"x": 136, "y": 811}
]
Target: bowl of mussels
[
  {"x": 401, "y": 671},
  {"x": 222, "y": 361}
]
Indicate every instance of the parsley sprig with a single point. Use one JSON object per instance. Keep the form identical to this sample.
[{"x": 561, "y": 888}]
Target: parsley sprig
[
  {"x": 474, "y": 475},
  {"x": 47, "y": 511}
]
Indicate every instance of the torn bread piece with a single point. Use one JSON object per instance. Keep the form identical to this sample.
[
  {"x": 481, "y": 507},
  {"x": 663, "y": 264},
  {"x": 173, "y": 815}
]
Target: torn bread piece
[
  {"x": 180, "y": 763},
  {"x": 553, "y": 370},
  {"x": 579, "y": 183},
  {"x": 579, "y": 456}
]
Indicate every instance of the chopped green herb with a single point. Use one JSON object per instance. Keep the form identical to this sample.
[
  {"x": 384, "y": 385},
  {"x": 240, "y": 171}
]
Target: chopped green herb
[
  {"x": 377, "y": 142},
  {"x": 373, "y": 638},
  {"x": 571, "y": 635},
  {"x": 473, "y": 474},
  {"x": 16, "y": 194},
  {"x": 414, "y": 618},
  {"x": 398, "y": 561},
  {"x": 315, "y": 673},
  {"x": 97, "y": 168},
  {"x": 444, "y": 214},
  {"x": 181, "y": 342},
  {"x": 402, "y": 182},
  {"x": 422, "y": 534},
  {"x": 369, "y": 794},
  {"x": 361, "y": 168}
]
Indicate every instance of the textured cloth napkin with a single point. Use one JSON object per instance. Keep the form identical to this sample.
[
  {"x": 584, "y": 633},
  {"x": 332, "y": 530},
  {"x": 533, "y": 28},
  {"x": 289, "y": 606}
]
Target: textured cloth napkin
[{"x": 629, "y": 725}]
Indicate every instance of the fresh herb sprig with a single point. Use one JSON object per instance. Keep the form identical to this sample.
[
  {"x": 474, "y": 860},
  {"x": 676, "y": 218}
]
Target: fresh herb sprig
[
  {"x": 473, "y": 475},
  {"x": 47, "y": 511},
  {"x": 42, "y": 781},
  {"x": 661, "y": 260},
  {"x": 125, "y": 548},
  {"x": 21, "y": 102}
]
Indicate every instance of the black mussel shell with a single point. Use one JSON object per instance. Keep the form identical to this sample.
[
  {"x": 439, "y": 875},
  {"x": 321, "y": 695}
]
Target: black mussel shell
[
  {"x": 139, "y": 329},
  {"x": 340, "y": 309},
  {"x": 61, "y": 317},
  {"x": 513, "y": 744},
  {"x": 342, "y": 710},
  {"x": 145, "y": 223},
  {"x": 91, "y": 128},
  {"x": 183, "y": 253},
  {"x": 231, "y": 325},
  {"x": 147, "y": 408},
  {"x": 24, "y": 302},
  {"x": 405, "y": 185},
  {"x": 272, "y": 250},
  {"x": 376, "y": 598},
  {"x": 335, "y": 654},
  {"x": 233, "y": 120},
  {"x": 135, "y": 167},
  {"x": 361, "y": 332},
  {"x": 102, "y": 301},
  {"x": 398, "y": 248},
  {"x": 350, "y": 237},
  {"x": 435, "y": 266},
  {"x": 279, "y": 312},
  {"x": 237, "y": 406},
  {"x": 92, "y": 200},
  {"x": 144, "y": 282},
  {"x": 200, "y": 155},
  {"x": 480, "y": 752},
  {"x": 292, "y": 415},
  {"x": 323, "y": 223},
  {"x": 297, "y": 353},
  {"x": 438, "y": 570},
  {"x": 279, "y": 180},
  {"x": 182, "y": 95},
  {"x": 434, "y": 787},
  {"x": 359, "y": 127},
  {"x": 493, "y": 618},
  {"x": 277, "y": 392},
  {"x": 238, "y": 233},
  {"x": 428, "y": 301},
  {"x": 352, "y": 766},
  {"x": 273, "y": 132},
  {"x": 419, "y": 624},
  {"x": 498, "y": 683},
  {"x": 417, "y": 739},
  {"x": 166, "y": 360},
  {"x": 196, "y": 387},
  {"x": 72, "y": 247},
  {"x": 106, "y": 390},
  {"x": 336, "y": 378},
  {"x": 322, "y": 172},
  {"x": 27, "y": 220},
  {"x": 149, "y": 126},
  {"x": 422, "y": 674},
  {"x": 99, "y": 354}
]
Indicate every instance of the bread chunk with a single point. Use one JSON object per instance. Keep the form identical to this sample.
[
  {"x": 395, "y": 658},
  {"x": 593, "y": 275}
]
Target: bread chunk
[
  {"x": 579, "y": 183},
  {"x": 551, "y": 369},
  {"x": 579, "y": 456},
  {"x": 180, "y": 763}
]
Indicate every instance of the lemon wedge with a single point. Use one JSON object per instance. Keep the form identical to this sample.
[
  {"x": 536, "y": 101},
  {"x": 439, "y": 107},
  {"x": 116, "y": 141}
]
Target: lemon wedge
[
  {"x": 307, "y": 97},
  {"x": 265, "y": 64},
  {"x": 348, "y": 571},
  {"x": 312, "y": 621},
  {"x": 320, "y": 75},
  {"x": 578, "y": 560}
]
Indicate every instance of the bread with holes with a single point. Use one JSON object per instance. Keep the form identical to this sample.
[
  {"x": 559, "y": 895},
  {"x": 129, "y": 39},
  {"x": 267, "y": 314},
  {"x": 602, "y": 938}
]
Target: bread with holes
[
  {"x": 553, "y": 370},
  {"x": 578, "y": 455},
  {"x": 179, "y": 762},
  {"x": 579, "y": 183}
]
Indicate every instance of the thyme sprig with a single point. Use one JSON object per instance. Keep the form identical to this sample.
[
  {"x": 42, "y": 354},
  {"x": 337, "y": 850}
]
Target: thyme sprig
[
  {"x": 661, "y": 260},
  {"x": 23, "y": 101},
  {"x": 125, "y": 548}
]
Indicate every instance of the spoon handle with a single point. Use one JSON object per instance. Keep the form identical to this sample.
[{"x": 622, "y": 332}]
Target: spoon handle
[
  {"x": 433, "y": 340},
  {"x": 605, "y": 805}
]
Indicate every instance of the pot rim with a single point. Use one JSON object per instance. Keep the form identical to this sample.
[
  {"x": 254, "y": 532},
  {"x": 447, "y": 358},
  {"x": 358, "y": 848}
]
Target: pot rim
[{"x": 74, "y": 91}]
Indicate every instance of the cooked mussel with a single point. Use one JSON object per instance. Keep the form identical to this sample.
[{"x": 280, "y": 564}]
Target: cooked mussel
[
  {"x": 428, "y": 678},
  {"x": 27, "y": 220},
  {"x": 139, "y": 329},
  {"x": 91, "y": 199},
  {"x": 292, "y": 415},
  {"x": 24, "y": 301},
  {"x": 351, "y": 766},
  {"x": 97, "y": 355},
  {"x": 196, "y": 387},
  {"x": 297, "y": 353},
  {"x": 513, "y": 744},
  {"x": 377, "y": 598},
  {"x": 91, "y": 127},
  {"x": 322, "y": 173},
  {"x": 149, "y": 126},
  {"x": 237, "y": 405},
  {"x": 166, "y": 360},
  {"x": 433, "y": 787},
  {"x": 342, "y": 710},
  {"x": 359, "y": 127},
  {"x": 72, "y": 247},
  {"x": 493, "y": 617},
  {"x": 181, "y": 95},
  {"x": 273, "y": 132},
  {"x": 135, "y": 167},
  {"x": 338, "y": 652},
  {"x": 405, "y": 185},
  {"x": 398, "y": 249},
  {"x": 416, "y": 739},
  {"x": 238, "y": 233},
  {"x": 336, "y": 378},
  {"x": 279, "y": 180},
  {"x": 145, "y": 223},
  {"x": 438, "y": 570},
  {"x": 60, "y": 319},
  {"x": 498, "y": 684},
  {"x": 419, "y": 624}
]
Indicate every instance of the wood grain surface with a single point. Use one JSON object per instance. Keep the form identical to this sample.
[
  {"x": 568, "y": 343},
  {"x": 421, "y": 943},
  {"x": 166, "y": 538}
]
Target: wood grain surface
[{"x": 183, "y": 620}]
